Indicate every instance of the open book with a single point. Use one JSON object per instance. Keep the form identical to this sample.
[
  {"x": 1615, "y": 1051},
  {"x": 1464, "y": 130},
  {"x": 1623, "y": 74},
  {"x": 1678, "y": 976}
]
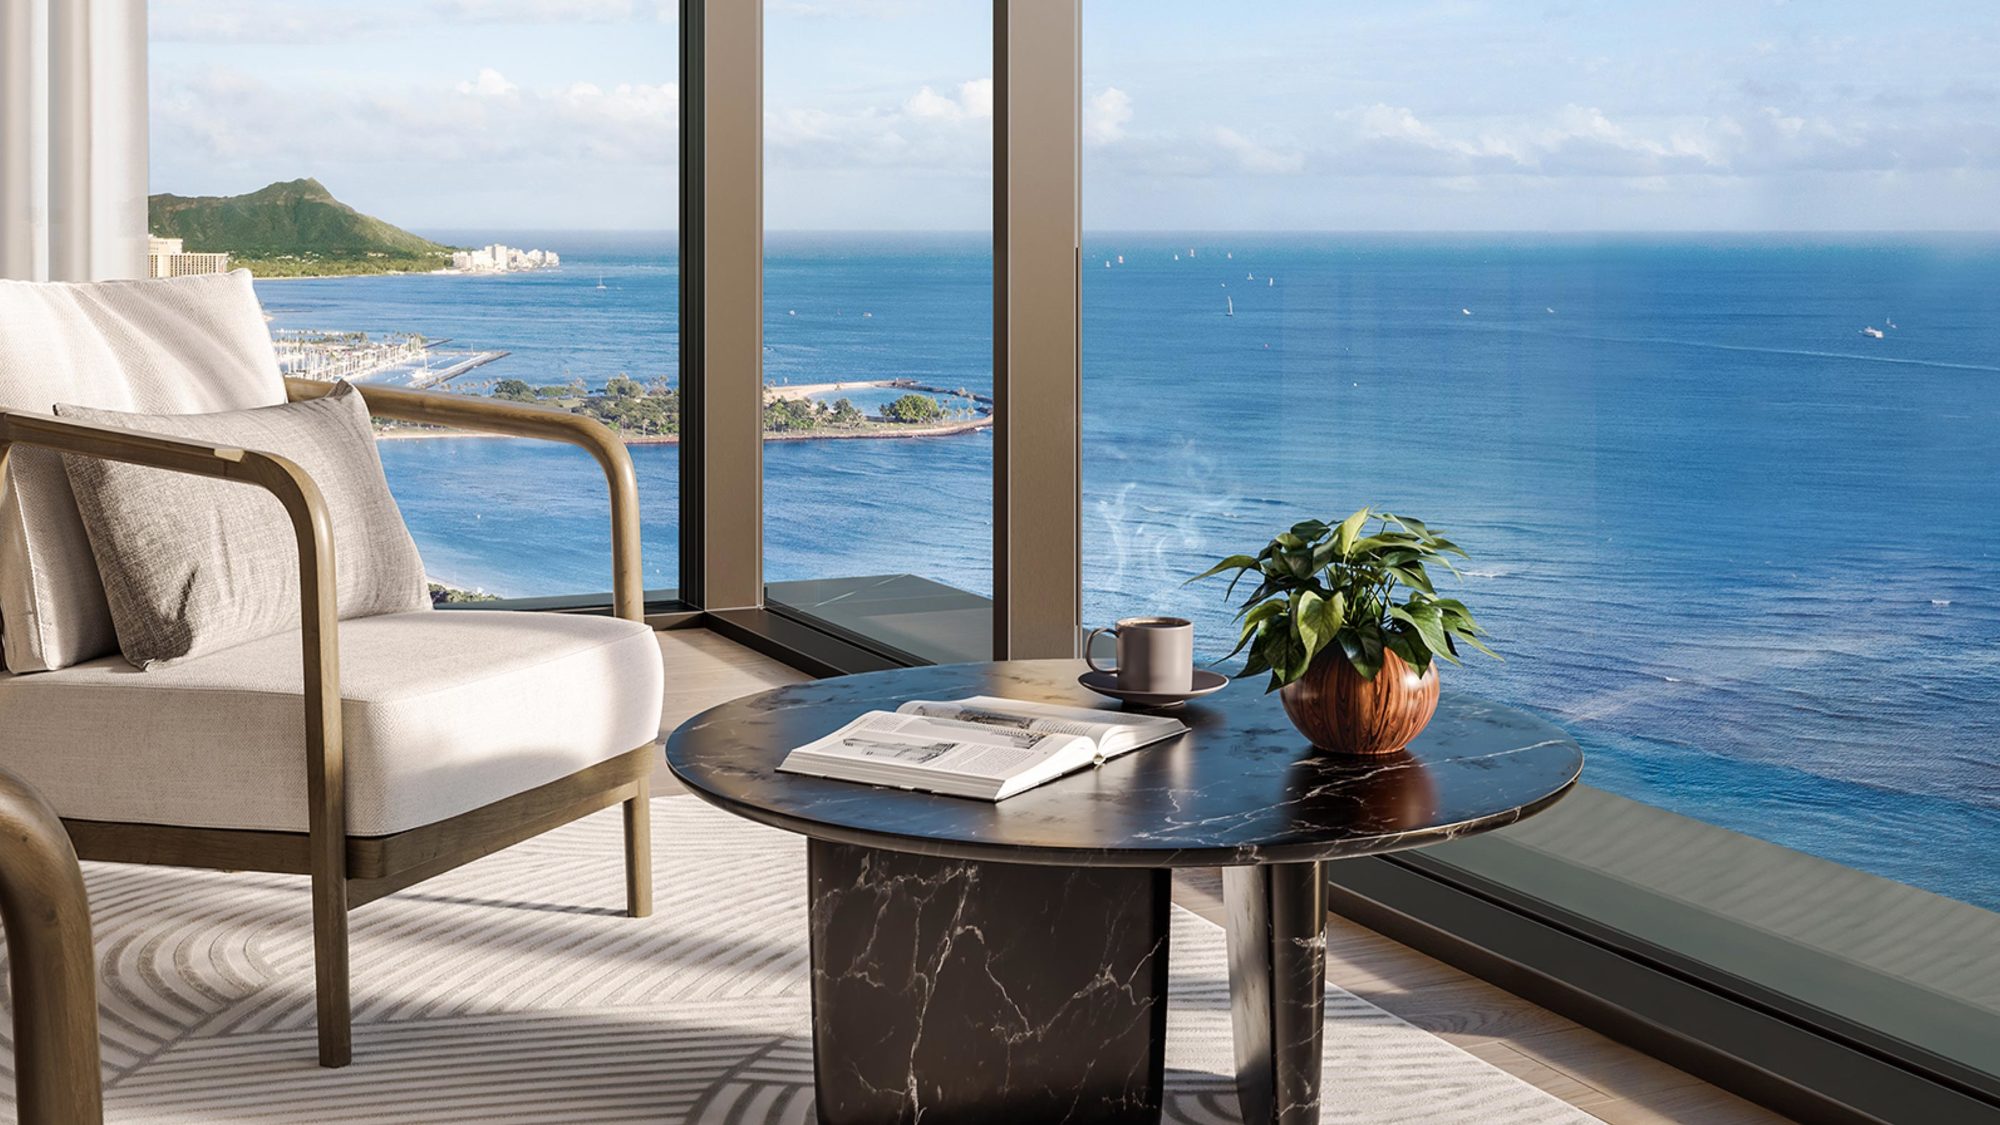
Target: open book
[{"x": 980, "y": 747}]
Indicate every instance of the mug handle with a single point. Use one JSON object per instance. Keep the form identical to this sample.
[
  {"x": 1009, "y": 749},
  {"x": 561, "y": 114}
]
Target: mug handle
[{"x": 1111, "y": 629}]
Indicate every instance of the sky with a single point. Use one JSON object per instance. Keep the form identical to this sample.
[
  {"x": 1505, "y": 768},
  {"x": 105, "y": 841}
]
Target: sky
[{"x": 1278, "y": 115}]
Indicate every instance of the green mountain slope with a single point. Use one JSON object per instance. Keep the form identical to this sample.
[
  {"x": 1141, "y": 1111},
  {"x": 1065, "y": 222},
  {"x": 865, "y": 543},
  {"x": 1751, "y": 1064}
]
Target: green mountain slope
[{"x": 291, "y": 228}]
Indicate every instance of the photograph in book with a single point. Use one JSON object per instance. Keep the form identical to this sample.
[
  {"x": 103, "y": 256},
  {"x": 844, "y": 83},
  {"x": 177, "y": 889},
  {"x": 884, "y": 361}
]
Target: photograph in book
[{"x": 982, "y": 747}]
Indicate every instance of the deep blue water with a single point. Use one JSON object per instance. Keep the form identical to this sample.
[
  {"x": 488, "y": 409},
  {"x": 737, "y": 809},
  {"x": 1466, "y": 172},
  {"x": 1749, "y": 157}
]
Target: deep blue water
[{"x": 1749, "y": 555}]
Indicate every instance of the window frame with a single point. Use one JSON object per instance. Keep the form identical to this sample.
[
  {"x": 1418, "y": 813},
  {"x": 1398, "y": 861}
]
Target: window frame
[{"x": 1770, "y": 1048}]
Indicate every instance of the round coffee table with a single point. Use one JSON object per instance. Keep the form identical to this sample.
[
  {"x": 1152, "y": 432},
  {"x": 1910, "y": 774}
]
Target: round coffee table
[{"x": 1007, "y": 962}]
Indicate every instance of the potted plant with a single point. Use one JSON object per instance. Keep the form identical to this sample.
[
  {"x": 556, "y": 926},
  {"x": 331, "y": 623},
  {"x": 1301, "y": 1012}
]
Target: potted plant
[{"x": 1356, "y": 669}]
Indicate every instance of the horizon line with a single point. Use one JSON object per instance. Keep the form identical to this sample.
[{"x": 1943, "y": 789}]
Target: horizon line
[{"x": 1179, "y": 232}]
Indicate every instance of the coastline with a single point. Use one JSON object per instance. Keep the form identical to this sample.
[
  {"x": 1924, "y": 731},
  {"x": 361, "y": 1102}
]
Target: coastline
[{"x": 947, "y": 429}]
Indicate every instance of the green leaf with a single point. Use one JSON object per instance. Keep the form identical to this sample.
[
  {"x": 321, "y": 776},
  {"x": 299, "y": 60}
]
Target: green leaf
[
  {"x": 1476, "y": 643},
  {"x": 1363, "y": 647},
  {"x": 1429, "y": 624},
  {"x": 1310, "y": 529},
  {"x": 1318, "y": 619},
  {"x": 1255, "y": 664},
  {"x": 1413, "y": 654},
  {"x": 1251, "y": 620},
  {"x": 1414, "y": 576},
  {"x": 1234, "y": 562},
  {"x": 1349, "y": 528}
]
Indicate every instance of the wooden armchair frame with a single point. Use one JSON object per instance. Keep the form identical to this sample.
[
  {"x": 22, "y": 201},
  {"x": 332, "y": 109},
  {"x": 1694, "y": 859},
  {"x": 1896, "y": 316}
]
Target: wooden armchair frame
[
  {"x": 350, "y": 871},
  {"x": 50, "y": 963}
]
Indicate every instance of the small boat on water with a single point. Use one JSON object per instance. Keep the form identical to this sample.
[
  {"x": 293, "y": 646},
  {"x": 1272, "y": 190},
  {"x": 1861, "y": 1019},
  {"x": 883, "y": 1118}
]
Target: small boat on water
[
  {"x": 1231, "y": 310},
  {"x": 1249, "y": 277},
  {"x": 600, "y": 282},
  {"x": 1890, "y": 322},
  {"x": 1465, "y": 312},
  {"x": 1270, "y": 281},
  {"x": 1872, "y": 332}
]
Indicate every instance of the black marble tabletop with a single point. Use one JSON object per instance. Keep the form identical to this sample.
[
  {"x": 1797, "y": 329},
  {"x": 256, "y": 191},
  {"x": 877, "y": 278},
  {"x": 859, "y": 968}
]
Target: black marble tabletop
[{"x": 1241, "y": 787}]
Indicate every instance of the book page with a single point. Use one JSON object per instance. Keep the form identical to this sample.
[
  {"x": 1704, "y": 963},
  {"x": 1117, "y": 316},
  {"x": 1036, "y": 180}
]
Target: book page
[
  {"x": 1113, "y": 732},
  {"x": 920, "y": 744}
]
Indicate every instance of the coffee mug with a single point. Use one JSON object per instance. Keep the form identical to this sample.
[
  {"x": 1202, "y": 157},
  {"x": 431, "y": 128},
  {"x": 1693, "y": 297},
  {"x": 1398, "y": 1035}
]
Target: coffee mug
[{"x": 1155, "y": 654}]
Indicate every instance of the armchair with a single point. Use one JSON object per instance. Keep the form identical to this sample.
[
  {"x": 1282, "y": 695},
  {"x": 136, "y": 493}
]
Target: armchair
[{"x": 367, "y": 754}]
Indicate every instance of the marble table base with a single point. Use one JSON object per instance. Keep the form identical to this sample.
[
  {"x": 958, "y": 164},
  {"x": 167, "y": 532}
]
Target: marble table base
[
  {"x": 1277, "y": 988},
  {"x": 982, "y": 992}
]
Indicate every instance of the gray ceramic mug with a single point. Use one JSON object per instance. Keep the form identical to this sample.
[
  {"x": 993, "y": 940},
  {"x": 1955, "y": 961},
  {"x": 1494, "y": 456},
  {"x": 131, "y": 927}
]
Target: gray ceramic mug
[{"x": 1155, "y": 654}]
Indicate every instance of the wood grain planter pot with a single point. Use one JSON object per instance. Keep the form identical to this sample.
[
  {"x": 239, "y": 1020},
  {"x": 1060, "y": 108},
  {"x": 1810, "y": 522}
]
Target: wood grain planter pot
[{"x": 1345, "y": 714}]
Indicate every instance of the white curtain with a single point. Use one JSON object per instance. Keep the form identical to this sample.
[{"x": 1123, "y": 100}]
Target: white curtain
[{"x": 72, "y": 139}]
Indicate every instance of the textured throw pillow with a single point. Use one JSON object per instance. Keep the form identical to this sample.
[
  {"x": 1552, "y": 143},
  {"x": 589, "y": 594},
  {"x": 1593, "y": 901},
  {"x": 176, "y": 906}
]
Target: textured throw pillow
[
  {"x": 178, "y": 346},
  {"x": 192, "y": 564}
]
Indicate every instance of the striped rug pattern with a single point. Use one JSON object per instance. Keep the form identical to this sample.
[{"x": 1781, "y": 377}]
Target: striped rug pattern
[{"x": 513, "y": 990}]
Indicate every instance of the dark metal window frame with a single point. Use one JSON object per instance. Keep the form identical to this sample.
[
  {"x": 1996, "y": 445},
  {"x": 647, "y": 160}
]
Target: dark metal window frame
[{"x": 1769, "y": 1048}]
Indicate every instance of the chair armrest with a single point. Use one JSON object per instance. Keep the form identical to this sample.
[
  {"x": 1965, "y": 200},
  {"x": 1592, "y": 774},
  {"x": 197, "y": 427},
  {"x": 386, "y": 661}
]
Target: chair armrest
[
  {"x": 516, "y": 419},
  {"x": 319, "y": 619},
  {"x": 50, "y": 961}
]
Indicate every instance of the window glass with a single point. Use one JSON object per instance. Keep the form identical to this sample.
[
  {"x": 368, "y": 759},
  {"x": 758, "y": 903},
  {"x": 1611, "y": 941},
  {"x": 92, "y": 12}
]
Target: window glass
[
  {"x": 477, "y": 199},
  {"x": 1679, "y": 318},
  {"x": 878, "y": 335}
]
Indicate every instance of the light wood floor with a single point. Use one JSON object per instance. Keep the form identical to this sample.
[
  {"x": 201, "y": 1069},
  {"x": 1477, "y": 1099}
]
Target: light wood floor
[{"x": 1597, "y": 1075}]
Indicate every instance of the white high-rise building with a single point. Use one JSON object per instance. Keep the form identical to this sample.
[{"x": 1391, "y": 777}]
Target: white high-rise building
[{"x": 166, "y": 258}]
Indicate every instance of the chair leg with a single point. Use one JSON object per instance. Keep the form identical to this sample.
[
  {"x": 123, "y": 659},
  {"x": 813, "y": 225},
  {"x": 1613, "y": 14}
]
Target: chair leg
[
  {"x": 639, "y": 850},
  {"x": 330, "y": 965}
]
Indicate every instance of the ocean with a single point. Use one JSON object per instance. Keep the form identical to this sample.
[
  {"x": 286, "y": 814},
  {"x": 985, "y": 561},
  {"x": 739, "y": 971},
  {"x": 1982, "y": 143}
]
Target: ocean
[{"x": 1748, "y": 554}]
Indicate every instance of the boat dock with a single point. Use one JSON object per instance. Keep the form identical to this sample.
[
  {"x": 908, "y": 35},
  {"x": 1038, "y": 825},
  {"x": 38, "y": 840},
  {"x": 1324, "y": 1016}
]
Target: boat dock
[{"x": 431, "y": 378}]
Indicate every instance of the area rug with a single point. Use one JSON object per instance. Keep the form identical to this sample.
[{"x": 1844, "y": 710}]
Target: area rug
[{"x": 514, "y": 990}]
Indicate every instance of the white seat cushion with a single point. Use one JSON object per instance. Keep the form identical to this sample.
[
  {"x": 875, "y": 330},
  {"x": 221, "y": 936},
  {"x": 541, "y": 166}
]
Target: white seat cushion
[{"x": 444, "y": 712}]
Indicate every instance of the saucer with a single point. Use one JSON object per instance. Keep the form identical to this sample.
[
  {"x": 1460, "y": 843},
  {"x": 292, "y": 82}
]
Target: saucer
[{"x": 1106, "y": 683}]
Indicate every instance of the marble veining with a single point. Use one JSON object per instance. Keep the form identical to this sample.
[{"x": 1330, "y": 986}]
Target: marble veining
[
  {"x": 1241, "y": 787},
  {"x": 958, "y": 991}
]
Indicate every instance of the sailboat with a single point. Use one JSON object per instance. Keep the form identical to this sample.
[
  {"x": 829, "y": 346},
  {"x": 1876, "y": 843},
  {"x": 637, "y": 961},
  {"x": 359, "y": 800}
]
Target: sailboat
[
  {"x": 1231, "y": 310},
  {"x": 600, "y": 282}
]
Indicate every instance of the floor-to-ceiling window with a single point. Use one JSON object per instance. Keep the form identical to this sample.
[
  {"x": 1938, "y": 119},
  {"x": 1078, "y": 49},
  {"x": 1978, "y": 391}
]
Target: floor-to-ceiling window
[
  {"x": 878, "y": 321},
  {"x": 1681, "y": 320},
  {"x": 474, "y": 198}
]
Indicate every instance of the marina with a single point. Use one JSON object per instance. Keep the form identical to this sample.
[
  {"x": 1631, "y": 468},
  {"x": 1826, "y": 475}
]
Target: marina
[{"x": 405, "y": 359}]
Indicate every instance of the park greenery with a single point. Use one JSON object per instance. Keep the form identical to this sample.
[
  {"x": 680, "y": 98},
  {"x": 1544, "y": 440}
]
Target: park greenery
[
  {"x": 294, "y": 228},
  {"x": 1330, "y": 588},
  {"x": 653, "y": 410},
  {"x": 913, "y": 408}
]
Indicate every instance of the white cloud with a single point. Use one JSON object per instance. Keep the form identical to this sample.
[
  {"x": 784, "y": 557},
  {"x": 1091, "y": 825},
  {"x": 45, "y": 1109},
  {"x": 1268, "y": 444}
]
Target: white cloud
[
  {"x": 974, "y": 100},
  {"x": 1106, "y": 114},
  {"x": 490, "y": 84},
  {"x": 280, "y": 131},
  {"x": 926, "y": 131},
  {"x": 843, "y": 9},
  {"x": 253, "y": 21},
  {"x": 1573, "y": 142},
  {"x": 553, "y": 11},
  {"x": 1258, "y": 158}
]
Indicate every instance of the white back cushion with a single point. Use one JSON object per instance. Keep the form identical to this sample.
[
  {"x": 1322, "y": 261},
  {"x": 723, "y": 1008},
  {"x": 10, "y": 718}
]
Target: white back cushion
[{"x": 185, "y": 345}]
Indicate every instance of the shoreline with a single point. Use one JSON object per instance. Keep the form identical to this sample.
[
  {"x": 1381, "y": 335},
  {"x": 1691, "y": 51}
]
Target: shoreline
[{"x": 949, "y": 429}]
